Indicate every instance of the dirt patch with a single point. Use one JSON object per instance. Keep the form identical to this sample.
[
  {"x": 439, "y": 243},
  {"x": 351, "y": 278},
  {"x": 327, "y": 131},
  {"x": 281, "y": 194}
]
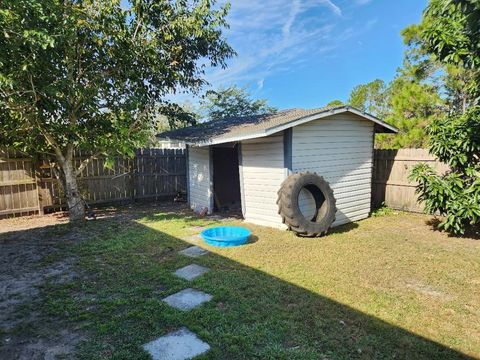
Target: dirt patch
[
  {"x": 60, "y": 345},
  {"x": 22, "y": 271},
  {"x": 426, "y": 290},
  {"x": 32, "y": 222},
  {"x": 24, "y": 268},
  {"x": 34, "y": 251}
]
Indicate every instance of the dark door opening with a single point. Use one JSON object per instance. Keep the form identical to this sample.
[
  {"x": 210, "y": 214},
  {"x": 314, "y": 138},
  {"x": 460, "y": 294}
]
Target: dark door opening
[{"x": 226, "y": 179}]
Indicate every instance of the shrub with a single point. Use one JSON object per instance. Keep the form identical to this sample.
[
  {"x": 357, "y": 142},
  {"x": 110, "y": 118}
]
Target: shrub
[{"x": 454, "y": 140}]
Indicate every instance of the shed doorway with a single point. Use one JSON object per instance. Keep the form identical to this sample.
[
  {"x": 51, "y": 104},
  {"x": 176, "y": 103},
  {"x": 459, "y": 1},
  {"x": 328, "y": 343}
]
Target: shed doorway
[{"x": 226, "y": 179}]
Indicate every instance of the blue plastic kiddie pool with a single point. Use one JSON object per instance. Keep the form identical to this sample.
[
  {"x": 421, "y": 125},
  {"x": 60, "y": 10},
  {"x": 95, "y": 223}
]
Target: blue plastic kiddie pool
[{"x": 224, "y": 236}]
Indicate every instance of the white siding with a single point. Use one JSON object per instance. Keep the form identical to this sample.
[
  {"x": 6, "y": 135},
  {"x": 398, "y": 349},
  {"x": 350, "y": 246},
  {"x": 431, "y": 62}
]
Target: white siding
[
  {"x": 306, "y": 203},
  {"x": 339, "y": 148},
  {"x": 262, "y": 175},
  {"x": 200, "y": 192}
]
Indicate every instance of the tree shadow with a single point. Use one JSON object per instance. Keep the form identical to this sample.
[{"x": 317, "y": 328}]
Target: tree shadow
[
  {"x": 472, "y": 232},
  {"x": 125, "y": 272},
  {"x": 383, "y": 165}
]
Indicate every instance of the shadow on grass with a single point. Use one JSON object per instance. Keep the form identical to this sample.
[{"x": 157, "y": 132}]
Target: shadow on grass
[
  {"x": 127, "y": 268},
  {"x": 344, "y": 228},
  {"x": 472, "y": 232}
]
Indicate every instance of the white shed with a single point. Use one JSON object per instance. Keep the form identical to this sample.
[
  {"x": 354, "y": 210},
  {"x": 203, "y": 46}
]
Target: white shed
[{"x": 244, "y": 161}]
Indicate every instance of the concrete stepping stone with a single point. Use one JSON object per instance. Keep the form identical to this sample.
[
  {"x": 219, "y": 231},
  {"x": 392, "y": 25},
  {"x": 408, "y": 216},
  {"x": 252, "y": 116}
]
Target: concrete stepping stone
[
  {"x": 194, "y": 251},
  {"x": 187, "y": 299},
  {"x": 197, "y": 228},
  {"x": 193, "y": 238},
  {"x": 191, "y": 272},
  {"x": 178, "y": 345}
]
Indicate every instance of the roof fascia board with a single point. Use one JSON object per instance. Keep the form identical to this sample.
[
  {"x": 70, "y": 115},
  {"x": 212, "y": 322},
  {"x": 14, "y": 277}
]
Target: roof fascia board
[{"x": 256, "y": 135}]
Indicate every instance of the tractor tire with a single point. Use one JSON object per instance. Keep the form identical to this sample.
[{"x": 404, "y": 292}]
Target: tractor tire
[{"x": 289, "y": 209}]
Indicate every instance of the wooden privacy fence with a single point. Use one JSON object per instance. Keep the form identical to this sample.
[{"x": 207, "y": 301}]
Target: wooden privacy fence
[
  {"x": 390, "y": 177},
  {"x": 28, "y": 186}
]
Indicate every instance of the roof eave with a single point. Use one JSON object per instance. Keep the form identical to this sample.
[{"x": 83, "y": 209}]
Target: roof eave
[{"x": 380, "y": 127}]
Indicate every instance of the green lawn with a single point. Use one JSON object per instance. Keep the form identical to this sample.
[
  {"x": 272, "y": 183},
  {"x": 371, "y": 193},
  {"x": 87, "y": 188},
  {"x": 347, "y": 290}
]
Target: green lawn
[{"x": 386, "y": 287}]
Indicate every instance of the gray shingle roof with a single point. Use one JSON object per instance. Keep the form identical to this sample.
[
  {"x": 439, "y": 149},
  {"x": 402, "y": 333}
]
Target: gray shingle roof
[{"x": 236, "y": 128}]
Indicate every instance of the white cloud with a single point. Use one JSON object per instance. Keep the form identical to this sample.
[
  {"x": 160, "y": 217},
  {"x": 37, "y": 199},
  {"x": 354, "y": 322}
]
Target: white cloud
[
  {"x": 370, "y": 23},
  {"x": 333, "y": 7},
  {"x": 260, "y": 84},
  {"x": 363, "y": 2},
  {"x": 294, "y": 11},
  {"x": 271, "y": 35},
  {"x": 275, "y": 36}
]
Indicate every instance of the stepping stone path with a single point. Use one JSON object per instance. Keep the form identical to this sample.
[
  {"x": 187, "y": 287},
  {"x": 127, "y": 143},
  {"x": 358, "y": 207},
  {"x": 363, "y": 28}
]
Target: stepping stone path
[
  {"x": 197, "y": 228},
  {"x": 194, "y": 251},
  {"x": 193, "y": 238},
  {"x": 191, "y": 272},
  {"x": 179, "y": 345},
  {"x": 183, "y": 344},
  {"x": 187, "y": 299}
]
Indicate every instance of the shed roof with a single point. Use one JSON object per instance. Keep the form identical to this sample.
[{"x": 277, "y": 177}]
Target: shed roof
[{"x": 250, "y": 127}]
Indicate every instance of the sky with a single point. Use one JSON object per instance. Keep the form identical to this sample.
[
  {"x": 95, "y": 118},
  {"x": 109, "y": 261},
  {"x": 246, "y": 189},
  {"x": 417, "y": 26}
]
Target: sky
[{"x": 305, "y": 53}]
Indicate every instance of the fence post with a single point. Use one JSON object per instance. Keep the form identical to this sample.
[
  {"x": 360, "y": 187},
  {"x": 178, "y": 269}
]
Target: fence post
[{"x": 36, "y": 170}]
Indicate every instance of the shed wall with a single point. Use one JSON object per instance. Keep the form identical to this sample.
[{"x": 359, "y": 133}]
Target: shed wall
[
  {"x": 262, "y": 173},
  {"x": 340, "y": 149},
  {"x": 200, "y": 186}
]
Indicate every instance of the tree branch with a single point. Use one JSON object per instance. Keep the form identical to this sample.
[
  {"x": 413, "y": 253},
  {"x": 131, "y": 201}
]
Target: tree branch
[
  {"x": 50, "y": 140},
  {"x": 85, "y": 162}
]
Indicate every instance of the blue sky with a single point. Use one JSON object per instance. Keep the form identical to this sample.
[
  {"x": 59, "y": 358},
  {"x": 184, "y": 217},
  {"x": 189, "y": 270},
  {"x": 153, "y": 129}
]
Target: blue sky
[{"x": 305, "y": 53}]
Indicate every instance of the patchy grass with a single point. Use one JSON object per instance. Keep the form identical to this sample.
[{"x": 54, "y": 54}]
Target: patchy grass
[
  {"x": 383, "y": 211},
  {"x": 387, "y": 287}
]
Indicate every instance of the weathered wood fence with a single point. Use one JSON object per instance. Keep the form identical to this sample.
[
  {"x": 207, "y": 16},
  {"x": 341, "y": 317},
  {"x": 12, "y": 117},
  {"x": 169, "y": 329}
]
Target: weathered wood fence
[
  {"x": 28, "y": 186},
  {"x": 390, "y": 180}
]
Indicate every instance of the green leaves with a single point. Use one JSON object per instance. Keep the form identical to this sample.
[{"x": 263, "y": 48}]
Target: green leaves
[
  {"x": 451, "y": 33},
  {"x": 407, "y": 103},
  {"x": 371, "y": 97},
  {"x": 233, "y": 101},
  {"x": 92, "y": 74},
  {"x": 455, "y": 140}
]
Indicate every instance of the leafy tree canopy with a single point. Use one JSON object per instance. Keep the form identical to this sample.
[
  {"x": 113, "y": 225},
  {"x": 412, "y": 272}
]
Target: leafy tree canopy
[
  {"x": 233, "y": 101},
  {"x": 422, "y": 90},
  {"x": 336, "y": 102},
  {"x": 404, "y": 103},
  {"x": 370, "y": 97},
  {"x": 89, "y": 74},
  {"x": 182, "y": 115},
  {"x": 450, "y": 33}
]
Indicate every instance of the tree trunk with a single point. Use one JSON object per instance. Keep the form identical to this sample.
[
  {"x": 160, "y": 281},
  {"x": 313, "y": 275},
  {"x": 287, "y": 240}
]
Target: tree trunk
[{"x": 68, "y": 179}]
